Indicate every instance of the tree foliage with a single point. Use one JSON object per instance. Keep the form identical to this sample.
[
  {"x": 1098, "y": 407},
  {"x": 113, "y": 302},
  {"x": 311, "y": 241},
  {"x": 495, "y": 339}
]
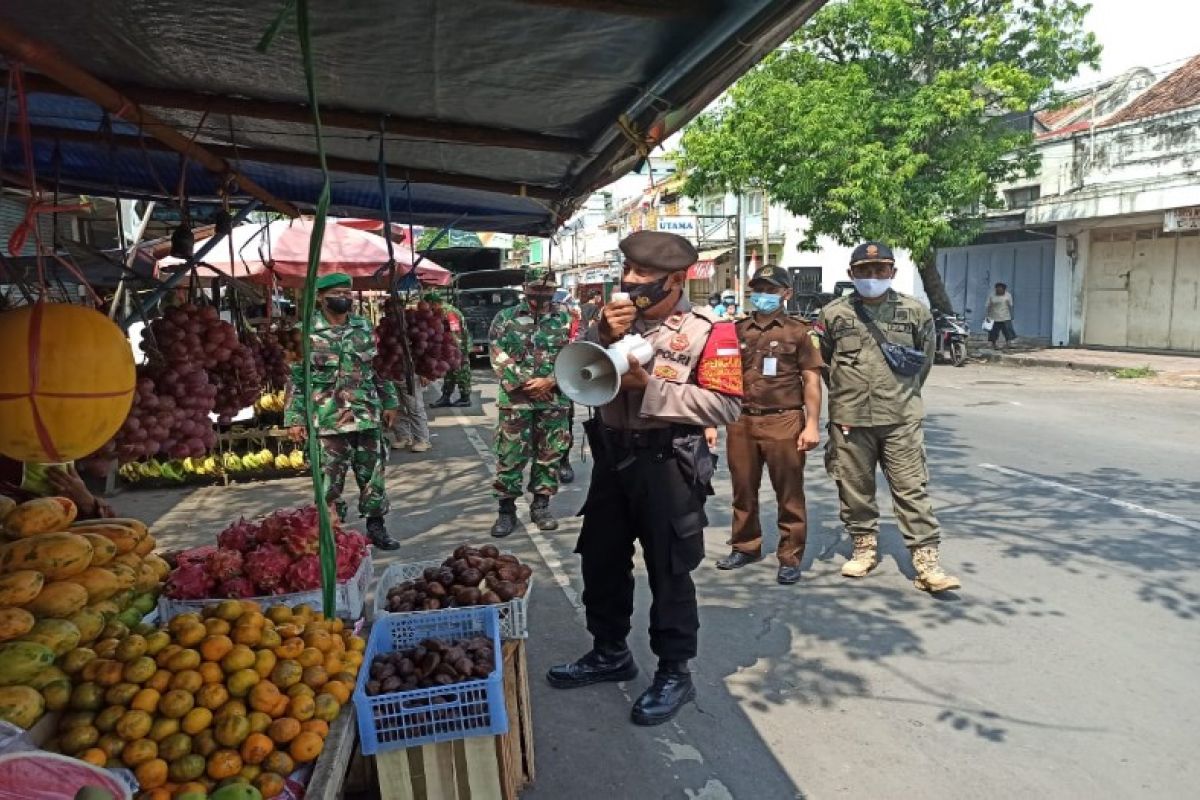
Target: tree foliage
[{"x": 893, "y": 119}]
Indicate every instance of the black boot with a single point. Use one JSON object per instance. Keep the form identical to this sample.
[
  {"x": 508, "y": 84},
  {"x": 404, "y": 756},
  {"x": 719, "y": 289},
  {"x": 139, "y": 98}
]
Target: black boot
[
  {"x": 539, "y": 512},
  {"x": 464, "y": 399},
  {"x": 566, "y": 473},
  {"x": 444, "y": 400},
  {"x": 377, "y": 533},
  {"x": 506, "y": 520},
  {"x": 607, "y": 661},
  {"x": 671, "y": 690}
]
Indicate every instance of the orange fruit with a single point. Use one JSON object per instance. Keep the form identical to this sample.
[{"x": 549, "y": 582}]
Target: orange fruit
[
  {"x": 232, "y": 708},
  {"x": 356, "y": 644},
  {"x": 283, "y": 730},
  {"x": 191, "y": 635},
  {"x": 232, "y": 731},
  {"x": 316, "y": 677},
  {"x": 224, "y": 764},
  {"x": 253, "y": 618},
  {"x": 175, "y": 703},
  {"x": 264, "y": 696},
  {"x": 239, "y": 657},
  {"x": 264, "y": 662},
  {"x": 165, "y": 654},
  {"x": 279, "y": 762},
  {"x": 138, "y": 752},
  {"x": 110, "y": 673},
  {"x": 211, "y": 672},
  {"x": 212, "y": 696},
  {"x": 162, "y": 728},
  {"x": 319, "y": 639},
  {"x": 164, "y": 792},
  {"x": 151, "y": 774},
  {"x": 269, "y": 784},
  {"x": 279, "y": 614},
  {"x": 259, "y": 721},
  {"x": 333, "y": 664},
  {"x": 94, "y": 755},
  {"x": 182, "y": 621},
  {"x": 217, "y": 627},
  {"x": 191, "y": 787},
  {"x": 326, "y": 707},
  {"x": 145, "y": 700},
  {"x": 256, "y": 748},
  {"x": 249, "y": 772},
  {"x": 249, "y": 635},
  {"x": 196, "y": 720},
  {"x": 299, "y": 689},
  {"x": 286, "y": 673},
  {"x": 305, "y": 747},
  {"x": 184, "y": 659},
  {"x": 311, "y": 657},
  {"x": 340, "y": 691},
  {"x": 270, "y": 638},
  {"x": 189, "y": 680},
  {"x": 289, "y": 648},
  {"x": 214, "y": 647},
  {"x": 134, "y": 725},
  {"x": 160, "y": 681},
  {"x": 228, "y": 610},
  {"x": 302, "y": 707},
  {"x": 241, "y": 682},
  {"x": 318, "y": 726}
]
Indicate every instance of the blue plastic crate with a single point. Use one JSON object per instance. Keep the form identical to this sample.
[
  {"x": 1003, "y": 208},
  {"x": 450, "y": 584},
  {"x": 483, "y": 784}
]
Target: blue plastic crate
[{"x": 439, "y": 714}]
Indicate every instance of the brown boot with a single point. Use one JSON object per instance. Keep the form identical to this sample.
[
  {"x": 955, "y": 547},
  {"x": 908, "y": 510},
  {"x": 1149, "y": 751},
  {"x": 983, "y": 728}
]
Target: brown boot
[
  {"x": 929, "y": 573},
  {"x": 865, "y": 557}
]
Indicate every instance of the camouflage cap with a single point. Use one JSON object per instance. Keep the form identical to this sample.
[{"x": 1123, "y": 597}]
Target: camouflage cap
[
  {"x": 540, "y": 277},
  {"x": 666, "y": 251}
]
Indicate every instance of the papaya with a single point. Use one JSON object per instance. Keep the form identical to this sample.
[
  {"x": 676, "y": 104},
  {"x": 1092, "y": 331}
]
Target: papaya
[
  {"x": 42, "y": 515},
  {"x": 60, "y": 600},
  {"x": 90, "y": 622},
  {"x": 7, "y": 504},
  {"x": 55, "y": 555},
  {"x": 146, "y": 546},
  {"x": 105, "y": 608},
  {"x": 21, "y": 705},
  {"x": 103, "y": 550},
  {"x": 18, "y": 588},
  {"x": 130, "y": 559},
  {"x": 46, "y": 677},
  {"x": 146, "y": 580},
  {"x": 126, "y": 577},
  {"x": 99, "y": 582},
  {"x": 161, "y": 568},
  {"x": 137, "y": 525},
  {"x": 59, "y": 635},
  {"x": 14, "y": 622},
  {"x": 124, "y": 537},
  {"x": 20, "y": 661}
]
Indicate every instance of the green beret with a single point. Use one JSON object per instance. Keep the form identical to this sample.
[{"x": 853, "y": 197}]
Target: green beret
[
  {"x": 333, "y": 280},
  {"x": 541, "y": 276},
  {"x": 432, "y": 297}
]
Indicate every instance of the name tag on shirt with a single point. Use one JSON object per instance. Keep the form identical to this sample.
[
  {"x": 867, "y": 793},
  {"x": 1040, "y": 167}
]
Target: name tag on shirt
[{"x": 768, "y": 369}]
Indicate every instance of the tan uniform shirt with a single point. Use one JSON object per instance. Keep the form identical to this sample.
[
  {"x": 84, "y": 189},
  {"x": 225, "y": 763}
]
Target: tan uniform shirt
[
  {"x": 776, "y": 349},
  {"x": 863, "y": 390},
  {"x": 673, "y": 395}
]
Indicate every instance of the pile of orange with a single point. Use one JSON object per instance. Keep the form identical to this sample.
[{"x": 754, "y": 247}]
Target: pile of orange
[{"x": 229, "y": 695}]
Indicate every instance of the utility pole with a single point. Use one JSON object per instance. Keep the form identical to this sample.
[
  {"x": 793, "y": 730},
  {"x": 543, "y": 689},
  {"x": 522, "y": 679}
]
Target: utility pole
[
  {"x": 766, "y": 230},
  {"x": 740, "y": 279}
]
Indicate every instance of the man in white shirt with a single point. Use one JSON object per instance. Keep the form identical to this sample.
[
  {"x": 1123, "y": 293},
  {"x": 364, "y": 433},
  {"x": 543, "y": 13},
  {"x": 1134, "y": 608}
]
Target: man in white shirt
[{"x": 1000, "y": 312}]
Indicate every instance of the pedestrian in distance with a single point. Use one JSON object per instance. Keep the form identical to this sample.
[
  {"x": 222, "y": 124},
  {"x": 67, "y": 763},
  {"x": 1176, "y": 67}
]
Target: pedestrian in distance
[
  {"x": 1000, "y": 312},
  {"x": 352, "y": 405},
  {"x": 780, "y": 423},
  {"x": 411, "y": 431},
  {"x": 533, "y": 425},
  {"x": 591, "y": 310},
  {"x": 460, "y": 377},
  {"x": 879, "y": 345},
  {"x": 652, "y": 473}
]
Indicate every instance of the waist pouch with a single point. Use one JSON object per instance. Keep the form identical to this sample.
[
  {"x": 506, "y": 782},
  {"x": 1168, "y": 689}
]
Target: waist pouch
[{"x": 903, "y": 361}]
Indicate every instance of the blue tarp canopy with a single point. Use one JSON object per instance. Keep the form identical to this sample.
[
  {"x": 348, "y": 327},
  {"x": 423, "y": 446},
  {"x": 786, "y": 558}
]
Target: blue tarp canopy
[{"x": 497, "y": 115}]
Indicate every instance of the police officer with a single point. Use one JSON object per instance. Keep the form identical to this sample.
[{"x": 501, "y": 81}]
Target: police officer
[
  {"x": 652, "y": 474},
  {"x": 876, "y": 413},
  {"x": 780, "y": 422},
  {"x": 533, "y": 424},
  {"x": 352, "y": 405}
]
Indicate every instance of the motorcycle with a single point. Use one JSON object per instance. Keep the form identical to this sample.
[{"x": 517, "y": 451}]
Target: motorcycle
[{"x": 951, "y": 333}]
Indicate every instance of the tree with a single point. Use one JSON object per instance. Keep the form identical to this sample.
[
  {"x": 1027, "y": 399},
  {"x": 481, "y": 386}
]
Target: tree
[
  {"x": 893, "y": 119},
  {"x": 453, "y": 238}
]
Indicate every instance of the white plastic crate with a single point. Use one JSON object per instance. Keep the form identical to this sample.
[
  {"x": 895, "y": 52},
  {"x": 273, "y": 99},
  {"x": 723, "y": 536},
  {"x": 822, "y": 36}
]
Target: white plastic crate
[
  {"x": 514, "y": 615},
  {"x": 350, "y": 596}
]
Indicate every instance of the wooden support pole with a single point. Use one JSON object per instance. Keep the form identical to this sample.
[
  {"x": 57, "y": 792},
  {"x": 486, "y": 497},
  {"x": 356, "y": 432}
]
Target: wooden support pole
[
  {"x": 407, "y": 127},
  {"x": 55, "y": 65}
]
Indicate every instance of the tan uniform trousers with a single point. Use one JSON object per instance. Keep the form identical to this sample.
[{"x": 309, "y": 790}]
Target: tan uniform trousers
[
  {"x": 769, "y": 439},
  {"x": 900, "y": 451}
]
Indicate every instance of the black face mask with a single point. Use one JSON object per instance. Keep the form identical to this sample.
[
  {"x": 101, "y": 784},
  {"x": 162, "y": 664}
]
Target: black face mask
[
  {"x": 647, "y": 295},
  {"x": 338, "y": 304}
]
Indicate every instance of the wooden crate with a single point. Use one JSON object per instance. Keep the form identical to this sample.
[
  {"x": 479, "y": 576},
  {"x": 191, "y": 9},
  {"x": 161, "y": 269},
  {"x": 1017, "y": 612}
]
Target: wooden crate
[{"x": 478, "y": 768}]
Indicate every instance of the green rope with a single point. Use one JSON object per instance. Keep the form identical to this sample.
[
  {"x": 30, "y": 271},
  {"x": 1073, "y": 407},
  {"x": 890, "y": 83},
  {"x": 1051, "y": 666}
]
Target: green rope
[{"x": 327, "y": 547}]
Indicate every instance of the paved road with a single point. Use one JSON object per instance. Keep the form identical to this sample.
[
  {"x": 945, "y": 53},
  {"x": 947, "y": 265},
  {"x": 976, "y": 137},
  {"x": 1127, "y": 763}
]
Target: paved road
[{"x": 1064, "y": 669}]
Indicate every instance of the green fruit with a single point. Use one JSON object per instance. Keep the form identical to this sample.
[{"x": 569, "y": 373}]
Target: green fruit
[{"x": 236, "y": 788}]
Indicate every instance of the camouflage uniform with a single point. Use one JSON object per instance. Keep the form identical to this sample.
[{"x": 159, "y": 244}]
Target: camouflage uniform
[
  {"x": 460, "y": 378},
  {"x": 348, "y": 399},
  {"x": 523, "y": 348}
]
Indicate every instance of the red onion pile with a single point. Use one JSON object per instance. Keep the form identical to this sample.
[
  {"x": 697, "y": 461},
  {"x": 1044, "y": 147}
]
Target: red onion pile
[{"x": 434, "y": 351}]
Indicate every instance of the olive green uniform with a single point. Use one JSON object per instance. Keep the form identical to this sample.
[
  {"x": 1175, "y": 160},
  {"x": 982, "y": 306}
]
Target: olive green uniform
[{"x": 875, "y": 415}]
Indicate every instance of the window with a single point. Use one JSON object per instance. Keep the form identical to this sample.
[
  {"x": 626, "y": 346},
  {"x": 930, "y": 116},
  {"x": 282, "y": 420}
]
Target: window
[
  {"x": 712, "y": 207},
  {"x": 1023, "y": 197},
  {"x": 754, "y": 204}
]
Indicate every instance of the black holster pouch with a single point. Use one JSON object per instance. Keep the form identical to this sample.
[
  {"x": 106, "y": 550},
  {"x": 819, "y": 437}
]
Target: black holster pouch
[{"x": 696, "y": 462}]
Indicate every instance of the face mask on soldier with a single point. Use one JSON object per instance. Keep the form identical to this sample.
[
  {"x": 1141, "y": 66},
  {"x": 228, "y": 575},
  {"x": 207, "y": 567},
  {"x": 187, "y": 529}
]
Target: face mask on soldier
[{"x": 338, "y": 304}]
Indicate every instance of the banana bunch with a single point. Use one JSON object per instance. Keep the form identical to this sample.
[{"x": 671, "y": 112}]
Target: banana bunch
[
  {"x": 201, "y": 466},
  {"x": 130, "y": 472},
  {"x": 173, "y": 470},
  {"x": 150, "y": 469},
  {"x": 263, "y": 458},
  {"x": 271, "y": 401},
  {"x": 232, "y": 463},
  {"x": 296, "y": 458}
]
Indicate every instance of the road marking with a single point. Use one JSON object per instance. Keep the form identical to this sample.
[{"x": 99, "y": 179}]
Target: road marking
[{"x": 1150, "y": 512}]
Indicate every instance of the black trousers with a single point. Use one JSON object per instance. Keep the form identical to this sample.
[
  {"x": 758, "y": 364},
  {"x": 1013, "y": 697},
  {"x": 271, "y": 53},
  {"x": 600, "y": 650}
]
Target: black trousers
[{"x": 647, "y": 500}]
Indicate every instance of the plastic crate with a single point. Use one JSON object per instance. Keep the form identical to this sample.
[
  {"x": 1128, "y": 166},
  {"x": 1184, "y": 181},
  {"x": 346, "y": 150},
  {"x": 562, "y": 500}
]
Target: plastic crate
[
  {"x": 350, "y": 597},
  {"x": 514, "y": 615},
  {"x": 444, "y": 713}
]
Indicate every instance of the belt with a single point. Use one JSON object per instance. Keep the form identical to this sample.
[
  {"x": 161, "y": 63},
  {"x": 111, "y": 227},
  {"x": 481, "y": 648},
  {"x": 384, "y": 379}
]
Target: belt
[
  {"x": 652, "y": 439},
  {"x": 763, "y": 412}
]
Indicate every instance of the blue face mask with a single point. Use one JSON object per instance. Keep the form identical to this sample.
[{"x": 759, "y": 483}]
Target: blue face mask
[{"x": 766, "y": 303}]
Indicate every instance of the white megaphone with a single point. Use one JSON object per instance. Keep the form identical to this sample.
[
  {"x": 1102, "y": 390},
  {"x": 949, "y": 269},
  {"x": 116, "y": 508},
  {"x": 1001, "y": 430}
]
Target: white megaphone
[{"x": 591, "y": 375}]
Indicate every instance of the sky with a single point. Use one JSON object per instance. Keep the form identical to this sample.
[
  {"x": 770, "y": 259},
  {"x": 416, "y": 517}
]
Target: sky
[{"x": 1142, "y": 33}]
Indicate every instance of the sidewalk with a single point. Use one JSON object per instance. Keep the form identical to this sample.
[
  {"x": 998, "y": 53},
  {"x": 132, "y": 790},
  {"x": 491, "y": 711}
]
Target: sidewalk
[{"x": 1178, "y": 371}]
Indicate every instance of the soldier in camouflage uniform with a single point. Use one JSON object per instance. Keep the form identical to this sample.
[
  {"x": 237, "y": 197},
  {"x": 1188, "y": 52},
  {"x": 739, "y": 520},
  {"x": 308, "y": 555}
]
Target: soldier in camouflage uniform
[
  {"x": 533, "y": 421},
  {"x": 352, "y": 406},
  {"x": 460, "y": 378}
]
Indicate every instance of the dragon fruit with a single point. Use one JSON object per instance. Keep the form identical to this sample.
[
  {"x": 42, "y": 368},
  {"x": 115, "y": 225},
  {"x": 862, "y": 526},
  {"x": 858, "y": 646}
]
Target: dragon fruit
[
  {"x": 189, "y": 582},
  {"x": 195, "y": 555},
  {"x": 301, "y": 540},
  {"x": 304, "y": 573},
  {"x": 351, "y": 547},
  {"x": 240, "y": 586},
  {"x": 266, "y": 565},
  {"x": 224, "y": 565},
  {"x": 241, "y": 536}
]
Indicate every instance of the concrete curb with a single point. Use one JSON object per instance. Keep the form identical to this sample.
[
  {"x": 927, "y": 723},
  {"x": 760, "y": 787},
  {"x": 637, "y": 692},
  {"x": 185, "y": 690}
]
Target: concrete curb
[{"x": 1034, "y": 361}]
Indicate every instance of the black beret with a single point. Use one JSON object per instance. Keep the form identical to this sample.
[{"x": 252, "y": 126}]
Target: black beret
[
  {"x": 775, "y": 276},
  {"x": 872, "y": 253},
  {"x": 665, "y": 251}
]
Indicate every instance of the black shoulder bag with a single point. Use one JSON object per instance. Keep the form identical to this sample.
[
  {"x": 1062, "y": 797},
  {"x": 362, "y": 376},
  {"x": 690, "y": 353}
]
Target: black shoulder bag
[{"x": 904, "y": 361}]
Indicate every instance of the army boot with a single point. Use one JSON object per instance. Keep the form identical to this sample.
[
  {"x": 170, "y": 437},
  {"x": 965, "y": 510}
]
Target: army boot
[
  {"x": 444, "y": 400},
  {"x": 539, "y": 512},
  {"x": 865, "y": 557},
  {"x": 377, "y": 533},
  {"x": 566, "y": 473},
  {"x": 463, "y": 401},
  {"x": 606, "y": 661},
  {"x": 930, "y": 576},
  {"x": 671, "y": 690},
  {"x": 506, "y": 519}
]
